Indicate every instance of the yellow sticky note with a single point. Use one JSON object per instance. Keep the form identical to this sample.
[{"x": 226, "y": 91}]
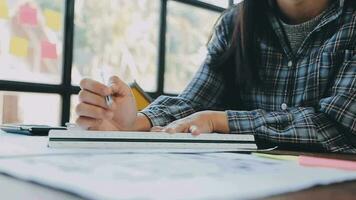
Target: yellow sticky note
[
  {"x": 141, "y": 101},
  {"x": 53, "y": 19},
  {"x": 4, "y": 9},
  {"x": 141, "y": 97},
  {"x": 19, "y": 46}
]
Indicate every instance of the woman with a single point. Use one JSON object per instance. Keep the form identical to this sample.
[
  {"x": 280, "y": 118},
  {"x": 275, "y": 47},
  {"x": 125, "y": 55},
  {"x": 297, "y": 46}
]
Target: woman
[{"x": 283, "y": 70}]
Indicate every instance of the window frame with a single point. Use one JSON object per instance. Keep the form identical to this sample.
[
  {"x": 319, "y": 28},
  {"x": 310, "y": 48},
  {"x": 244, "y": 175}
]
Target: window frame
[{"x": 66, "y": 89}]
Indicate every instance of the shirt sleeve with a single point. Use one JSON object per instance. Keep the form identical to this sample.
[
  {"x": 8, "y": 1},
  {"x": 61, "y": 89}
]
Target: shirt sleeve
[
  {"x": 206, "y": 88},
  {"x": 329, "y": 127}
]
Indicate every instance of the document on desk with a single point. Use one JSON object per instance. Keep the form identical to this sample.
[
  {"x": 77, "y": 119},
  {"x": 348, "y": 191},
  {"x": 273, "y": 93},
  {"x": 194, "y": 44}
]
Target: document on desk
[{"x": 169, "y": 176}]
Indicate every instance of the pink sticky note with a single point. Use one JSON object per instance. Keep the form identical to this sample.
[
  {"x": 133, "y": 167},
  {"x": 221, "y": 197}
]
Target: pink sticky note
[
  {"x": 48, "y": 50},
  {"x": 28, "y": 15},
  {"x": 326, "y": 162}
]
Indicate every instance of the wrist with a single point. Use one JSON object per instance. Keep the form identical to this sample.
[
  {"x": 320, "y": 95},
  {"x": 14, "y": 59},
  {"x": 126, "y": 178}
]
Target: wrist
[
  {"x": 220, "y": 122},
  {"x": 142, "y": 123}
]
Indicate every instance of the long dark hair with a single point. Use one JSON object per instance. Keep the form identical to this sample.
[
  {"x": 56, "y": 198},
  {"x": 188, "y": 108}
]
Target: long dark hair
[{"x": 241, "y": 61}]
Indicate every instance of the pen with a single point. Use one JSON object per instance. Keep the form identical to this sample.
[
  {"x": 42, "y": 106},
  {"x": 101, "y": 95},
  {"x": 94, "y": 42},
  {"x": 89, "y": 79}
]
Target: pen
[{"x": 108, "y": 99}]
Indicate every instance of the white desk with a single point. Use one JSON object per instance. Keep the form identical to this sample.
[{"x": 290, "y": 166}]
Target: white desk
[
  {"x": 11, "y": 188},
  {"x": 15, "y": 189}
]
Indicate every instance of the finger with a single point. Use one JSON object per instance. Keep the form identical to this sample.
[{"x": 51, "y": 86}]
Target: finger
[
  {"x": 87, "y": 110},
  {"x": 88, "y": 123},
  {"x": 156, "y": 129},
  {"x": 177, "y": 128},
  {"x": 119, "y": 87},
  {"x": 91, "y": 98},
  {"x": 95, "y": 87},
  {"x": 194, "y": 130}
]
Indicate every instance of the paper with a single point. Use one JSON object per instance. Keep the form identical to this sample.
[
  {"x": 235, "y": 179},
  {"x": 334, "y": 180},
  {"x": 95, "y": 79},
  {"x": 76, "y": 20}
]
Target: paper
[
  {"x": 328, "y": 163},
  {"x": 4, "y": 9},
  {"x": 277, "y": 157},
  {"x": 28, "y": 15},
  {"x": 141, "y": 101},
  {"x": 112, "y": 174},
  {"x": 170, "y": 176},
  {"x": 53, "y": 19},
  {"x": 4, "y": 12},
  {"x": 12, "y": 145},
  {"x": 142, "y": 98},
  {"x": 19, "y": 46},
  {"x": 48, "y": 50},
  {"x": 149, "y": 140}
]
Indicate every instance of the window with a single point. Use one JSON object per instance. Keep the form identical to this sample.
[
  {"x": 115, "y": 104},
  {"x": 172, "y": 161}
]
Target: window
[
  {"x": 220, "y": 3},
  {"x": 73, "y": 101},
  {"x": 188, "y": 30},
  {"x": 118, "y": 35},
  {"x": 237, "y": 1},
  {"x": 48, "y": 46},
  {"x": 31, "y": 40},
  {"x": 30, "y": 108}
]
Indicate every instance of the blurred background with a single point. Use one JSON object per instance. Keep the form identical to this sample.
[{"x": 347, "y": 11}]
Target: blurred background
[{"x": 48, "y": 46}]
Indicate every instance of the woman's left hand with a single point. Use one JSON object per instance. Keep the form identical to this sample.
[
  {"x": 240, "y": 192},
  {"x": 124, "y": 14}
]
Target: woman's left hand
[{"x": 197, "y": 123}]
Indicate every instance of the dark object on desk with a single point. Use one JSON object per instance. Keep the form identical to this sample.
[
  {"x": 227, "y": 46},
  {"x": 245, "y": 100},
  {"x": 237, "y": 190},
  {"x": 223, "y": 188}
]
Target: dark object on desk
[{"x": 32, "y": 130}]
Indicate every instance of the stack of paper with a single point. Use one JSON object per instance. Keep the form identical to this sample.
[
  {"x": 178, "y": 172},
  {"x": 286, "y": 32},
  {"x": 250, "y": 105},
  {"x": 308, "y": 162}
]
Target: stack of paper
[{"x": 134, "y": 140}]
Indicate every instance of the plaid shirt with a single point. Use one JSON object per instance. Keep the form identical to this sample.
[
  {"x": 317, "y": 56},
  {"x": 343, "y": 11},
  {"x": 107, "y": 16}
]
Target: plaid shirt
[{"x": 311, "y": 103}]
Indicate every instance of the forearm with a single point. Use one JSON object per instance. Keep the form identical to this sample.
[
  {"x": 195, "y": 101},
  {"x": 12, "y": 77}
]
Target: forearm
[
  {"x": 342, "y": 109},
  {"x": 304, "y": 127},
  {"x": 165, "y": 110}
]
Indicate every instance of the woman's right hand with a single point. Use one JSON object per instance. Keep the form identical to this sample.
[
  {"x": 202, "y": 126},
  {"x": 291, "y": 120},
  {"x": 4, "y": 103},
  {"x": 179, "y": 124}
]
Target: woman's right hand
[{"x": 93, "y": 112}]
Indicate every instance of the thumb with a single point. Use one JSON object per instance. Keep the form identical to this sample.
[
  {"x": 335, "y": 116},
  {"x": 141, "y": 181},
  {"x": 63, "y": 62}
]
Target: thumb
[
  {"x": 119, "y": 87},
  {"x": 156, "y": 129}
]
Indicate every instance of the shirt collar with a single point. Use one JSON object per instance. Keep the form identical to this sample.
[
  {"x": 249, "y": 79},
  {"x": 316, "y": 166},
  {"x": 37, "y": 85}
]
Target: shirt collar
[{"x": 334, "y": 12}]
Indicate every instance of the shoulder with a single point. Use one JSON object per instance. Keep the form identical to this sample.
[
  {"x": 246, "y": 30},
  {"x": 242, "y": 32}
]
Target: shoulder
[
  {"x": 350, "y": 10},
  {"x": 228, "y": 18},
  {"x": 348, "y": 23},
  {"x": 225, "y": 25}
]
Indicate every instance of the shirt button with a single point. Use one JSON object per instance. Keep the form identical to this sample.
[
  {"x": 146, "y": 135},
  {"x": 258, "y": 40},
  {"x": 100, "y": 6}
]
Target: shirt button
[
  {"x": 290, "y": 64},
  {"x": 284, "y": 106}
]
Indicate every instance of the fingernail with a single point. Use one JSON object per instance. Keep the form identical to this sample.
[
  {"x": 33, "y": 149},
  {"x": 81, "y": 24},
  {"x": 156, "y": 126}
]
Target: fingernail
[{"x": 193, "y": 128}]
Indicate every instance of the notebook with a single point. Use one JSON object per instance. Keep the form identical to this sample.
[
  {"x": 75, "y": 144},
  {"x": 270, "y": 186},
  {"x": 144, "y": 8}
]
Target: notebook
[{"x": 149, "y": 140}]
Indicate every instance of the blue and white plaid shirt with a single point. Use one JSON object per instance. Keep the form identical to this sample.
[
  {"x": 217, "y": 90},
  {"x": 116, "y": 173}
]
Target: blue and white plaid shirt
[{"x": 311, "y": 99}]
